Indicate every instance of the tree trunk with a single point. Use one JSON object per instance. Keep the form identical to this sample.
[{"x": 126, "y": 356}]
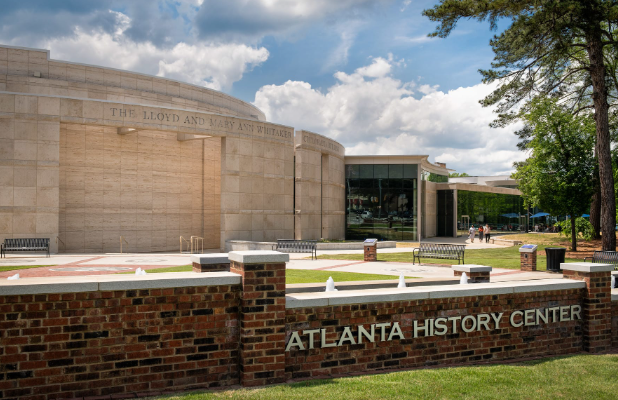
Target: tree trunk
[
  {"x": 573, "y": 234},
  {"x": 599, "y": 97},
  {"x": 596, "y": 205}
]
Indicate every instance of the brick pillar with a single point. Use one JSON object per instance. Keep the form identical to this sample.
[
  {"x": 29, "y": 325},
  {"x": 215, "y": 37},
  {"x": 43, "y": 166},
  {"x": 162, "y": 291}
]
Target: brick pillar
[
  {"x": 527, "y": 259},
  {"x": 262, "y": 315},
  {"x": 596, "y": 303},
  {"x": 214, "y": 262},
  {"x": 371, "y": 253},
  {"x": 475, "y": 273}
]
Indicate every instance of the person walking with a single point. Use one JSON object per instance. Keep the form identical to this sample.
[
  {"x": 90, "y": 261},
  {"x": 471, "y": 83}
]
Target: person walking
[
  {"x": 487, "y": 230},
  {"x": 481, "y": 233},
  {"x": 472, "y": 233}
]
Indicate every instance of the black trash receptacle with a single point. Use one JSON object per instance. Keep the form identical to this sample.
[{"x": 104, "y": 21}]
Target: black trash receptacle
[{"x": 555, "y": 256}]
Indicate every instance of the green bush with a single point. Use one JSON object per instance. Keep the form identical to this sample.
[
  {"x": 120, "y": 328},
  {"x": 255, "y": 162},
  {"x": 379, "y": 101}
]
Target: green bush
[{"x": 583, "y": 228}]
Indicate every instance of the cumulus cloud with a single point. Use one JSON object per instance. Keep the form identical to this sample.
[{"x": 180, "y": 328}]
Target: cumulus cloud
[
  {"x": 371, "y": 112},
  {"x": 216, "y": 66}
]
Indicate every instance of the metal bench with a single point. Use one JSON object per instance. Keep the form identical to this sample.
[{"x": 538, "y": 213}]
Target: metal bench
[
  {"x": 297, "y": 246},
  {"x": 439, "y": 250},
  {"x": 604, "y": 257},
  {"x": 34, "y": 244}
]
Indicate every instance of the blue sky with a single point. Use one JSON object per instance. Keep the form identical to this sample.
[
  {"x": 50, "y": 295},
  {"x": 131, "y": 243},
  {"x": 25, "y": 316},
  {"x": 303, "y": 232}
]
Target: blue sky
[{"x": 363, "y": 72}]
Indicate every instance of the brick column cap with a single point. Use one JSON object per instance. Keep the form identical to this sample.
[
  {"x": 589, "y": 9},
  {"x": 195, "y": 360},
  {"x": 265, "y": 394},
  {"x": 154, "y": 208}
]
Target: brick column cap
[
  {"x": 587, "y": 267},
  {"x": 528, "y": 248},
  {"x": 471, "y": 268},
  {"x": 211, "y": 258},
  {"x": 258, "y": 257}
]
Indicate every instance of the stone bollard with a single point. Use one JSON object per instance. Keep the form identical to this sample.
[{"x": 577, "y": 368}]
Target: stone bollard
[
  {"x": 262, "y": 315},
  {"x": 476, "y": 273},
  {"x": 215, "y": 262},
  {"x": 527, "y": 257},
  {"x": 596, "y": 303}
]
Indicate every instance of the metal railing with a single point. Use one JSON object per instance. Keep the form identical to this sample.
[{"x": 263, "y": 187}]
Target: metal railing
[
  {"x": 64, "y": 246},
  {"x": 122, "y": 239},
  {"x": 181, "y": 245},
  {"x": 196, "y": 243}
]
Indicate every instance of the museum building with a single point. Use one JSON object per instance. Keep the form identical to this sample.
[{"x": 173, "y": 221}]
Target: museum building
[{"x": 95, "y": 157}]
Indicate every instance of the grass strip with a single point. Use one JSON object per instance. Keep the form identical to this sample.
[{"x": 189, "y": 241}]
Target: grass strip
[
  {"x": 299, "y": 275},
  {"x": 17, "y": 267},
  {"x": 574, "y": 377},
  {"x": 505, "y": 257}
]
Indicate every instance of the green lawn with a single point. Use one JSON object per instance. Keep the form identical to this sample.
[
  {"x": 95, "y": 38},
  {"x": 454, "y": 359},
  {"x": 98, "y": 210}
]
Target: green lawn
[
  {"x": 576, "y": 377},
  {"x": 16, "y": 267},
  {"x": 312, "y": 276},
  {"x": 300, "y": 275},
  {"x": 505, "y": 257}
]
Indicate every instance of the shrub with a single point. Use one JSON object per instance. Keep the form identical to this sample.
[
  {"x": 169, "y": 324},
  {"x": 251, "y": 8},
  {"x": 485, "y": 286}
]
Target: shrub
[{"x": 583, "y": 227}]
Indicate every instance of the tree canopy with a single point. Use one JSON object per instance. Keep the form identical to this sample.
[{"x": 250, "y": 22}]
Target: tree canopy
[
  {"x": 557, "y": 174},
  {"x": 563, "y": 49}
]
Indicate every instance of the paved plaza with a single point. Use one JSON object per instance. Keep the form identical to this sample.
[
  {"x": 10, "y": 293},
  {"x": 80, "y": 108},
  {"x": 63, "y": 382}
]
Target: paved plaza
[{"x": 100, "y": 264}]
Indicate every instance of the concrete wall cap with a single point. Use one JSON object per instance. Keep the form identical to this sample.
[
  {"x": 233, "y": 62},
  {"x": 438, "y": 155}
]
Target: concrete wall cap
[
  {"x": 65, "y": 284},
  {"x": 471, "y": 268},
  {"x": 212, "y": 258},
  {"x": 300, "y": 300},
  {"x": 587, "y": 267},
  {"x": 93, "y": 283},
  {"x": 258, "y": 257}
]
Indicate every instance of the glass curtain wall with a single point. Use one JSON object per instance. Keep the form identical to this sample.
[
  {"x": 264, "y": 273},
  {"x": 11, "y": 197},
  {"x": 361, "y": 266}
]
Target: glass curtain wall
[
  {"x": 381, "y": 201},
  {"x": 501, "y": 211}
]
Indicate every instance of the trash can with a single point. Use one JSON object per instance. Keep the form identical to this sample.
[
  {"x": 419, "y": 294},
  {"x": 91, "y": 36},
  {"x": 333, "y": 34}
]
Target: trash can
[{"x": 555, "y": 256}]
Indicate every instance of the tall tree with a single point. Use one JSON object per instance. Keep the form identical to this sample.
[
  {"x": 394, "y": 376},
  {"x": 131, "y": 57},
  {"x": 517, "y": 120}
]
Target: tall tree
[
  {"x": 562, "y": 48},
  {"x": 557, "y": 174}
]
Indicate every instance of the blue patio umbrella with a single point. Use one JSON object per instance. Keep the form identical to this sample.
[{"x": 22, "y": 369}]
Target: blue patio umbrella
[
  {"x": 540, "y": 214},
  {"x": 585, "y": 215},
  {"x": 510, "y": 215}
]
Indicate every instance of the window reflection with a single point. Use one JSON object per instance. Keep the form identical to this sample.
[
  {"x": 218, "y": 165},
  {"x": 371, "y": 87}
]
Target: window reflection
[
  {"x": 382, "y": 203},
  {"x": 501, "y": 211}
]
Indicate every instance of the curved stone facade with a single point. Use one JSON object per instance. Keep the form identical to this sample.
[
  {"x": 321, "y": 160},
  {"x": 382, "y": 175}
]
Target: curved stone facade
[
  {"x": 32, "y": 71},
  {"x": 94, "y": 158}
]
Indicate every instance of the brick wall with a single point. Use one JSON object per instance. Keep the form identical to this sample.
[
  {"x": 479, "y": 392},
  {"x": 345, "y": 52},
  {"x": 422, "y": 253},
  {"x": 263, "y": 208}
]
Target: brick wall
[
  {"x": 505, "y": 343},
  {"x": 115, "y": 343},
  {"x": 614, "y": 323},
  {"x": 528, "y": 261}
]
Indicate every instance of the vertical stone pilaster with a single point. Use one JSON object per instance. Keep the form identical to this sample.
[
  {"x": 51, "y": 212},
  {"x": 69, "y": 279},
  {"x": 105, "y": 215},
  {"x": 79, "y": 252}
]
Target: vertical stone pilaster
[
  {"x": 262, "y": 315},
  {"x": 596, "y": 305},
  {"x": 214, "y": 262}
]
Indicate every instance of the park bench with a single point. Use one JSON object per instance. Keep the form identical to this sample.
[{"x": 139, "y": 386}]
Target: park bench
[
  {"x": 297, "y": 246},
  {"x": 604, "y": 257},
  {"x": 34, "y": 244},
  {"x": 439, "y": 250}
]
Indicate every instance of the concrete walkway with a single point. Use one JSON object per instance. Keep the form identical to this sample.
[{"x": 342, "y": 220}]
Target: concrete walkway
[
  {"x": 412, "y": 270},
  {"x": 96, "y": 264}
]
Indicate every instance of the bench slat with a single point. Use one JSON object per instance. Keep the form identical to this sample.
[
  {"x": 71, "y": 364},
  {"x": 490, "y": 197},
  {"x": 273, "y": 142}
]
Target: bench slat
[{"x": 439, "y": 250}]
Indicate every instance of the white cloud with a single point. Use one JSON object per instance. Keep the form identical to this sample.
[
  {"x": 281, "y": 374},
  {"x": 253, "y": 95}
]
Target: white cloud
[
  {"x": 371, "y": 112},
  {"x": 216, "y": 66},
  {"x": 415, "y": 40}
]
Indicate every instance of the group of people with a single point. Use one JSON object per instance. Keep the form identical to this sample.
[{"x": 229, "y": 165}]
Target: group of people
[{"x": 484, "y": 233}]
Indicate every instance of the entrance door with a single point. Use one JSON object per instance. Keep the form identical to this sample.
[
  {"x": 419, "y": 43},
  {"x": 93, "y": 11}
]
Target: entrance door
[{"x": 446, "y": 215}]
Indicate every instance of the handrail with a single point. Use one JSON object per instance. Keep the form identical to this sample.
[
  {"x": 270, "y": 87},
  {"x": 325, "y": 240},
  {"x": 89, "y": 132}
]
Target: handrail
[
  {"x": 188, "y": 244},
  {"x": 61, "y": 241},
  {"x": 121, "y": 240},
  {"x": 197, "y": 240}
]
